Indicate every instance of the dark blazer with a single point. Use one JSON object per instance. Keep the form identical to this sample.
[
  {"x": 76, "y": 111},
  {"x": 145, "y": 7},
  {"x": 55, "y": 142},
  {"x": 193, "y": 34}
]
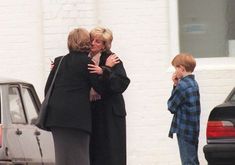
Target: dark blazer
[
  {"x": 69, "y": 104},
  {"x": 108, "y": 139}
]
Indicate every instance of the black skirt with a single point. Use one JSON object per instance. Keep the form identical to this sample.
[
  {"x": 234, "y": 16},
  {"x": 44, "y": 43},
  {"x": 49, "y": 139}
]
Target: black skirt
[{"x": 71, "y": 146}]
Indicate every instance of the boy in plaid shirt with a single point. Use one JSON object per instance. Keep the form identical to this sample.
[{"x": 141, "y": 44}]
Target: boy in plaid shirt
[{"x": 184, "y": 104}]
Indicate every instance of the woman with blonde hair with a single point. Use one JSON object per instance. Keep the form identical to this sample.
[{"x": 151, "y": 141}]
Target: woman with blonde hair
[
  {"x": 108, "y": 139},
  {"x": 69, "y": 113}
]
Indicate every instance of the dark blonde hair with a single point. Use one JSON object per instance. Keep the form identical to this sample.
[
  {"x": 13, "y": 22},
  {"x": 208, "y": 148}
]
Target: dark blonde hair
[
  {"x": 103, "y": 34},
  {"x": 186, "y": 60},
  {"x": 79, "y": 40}
]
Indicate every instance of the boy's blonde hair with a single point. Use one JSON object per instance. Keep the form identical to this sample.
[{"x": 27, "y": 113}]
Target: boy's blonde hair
[{"x": 186, "y": 60}]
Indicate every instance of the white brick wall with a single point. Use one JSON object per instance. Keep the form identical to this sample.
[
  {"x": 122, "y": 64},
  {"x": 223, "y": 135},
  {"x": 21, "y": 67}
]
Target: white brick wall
[
  {"x": 33, "y": 32},
  {"x": 59, "y": 17},
  {"x": 21, "y": 41},
  {"x": 141, "y": 38}
]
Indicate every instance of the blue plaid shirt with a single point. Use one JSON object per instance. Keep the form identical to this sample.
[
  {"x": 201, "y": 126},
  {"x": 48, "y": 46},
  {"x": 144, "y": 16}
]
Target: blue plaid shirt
[{"x": 184, "y": 103}]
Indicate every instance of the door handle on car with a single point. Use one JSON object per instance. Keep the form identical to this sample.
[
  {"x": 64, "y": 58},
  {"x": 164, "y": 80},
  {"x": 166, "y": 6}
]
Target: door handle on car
[
  {"x": 37, "y": 133},
  {"x": 18, "y": 132}
]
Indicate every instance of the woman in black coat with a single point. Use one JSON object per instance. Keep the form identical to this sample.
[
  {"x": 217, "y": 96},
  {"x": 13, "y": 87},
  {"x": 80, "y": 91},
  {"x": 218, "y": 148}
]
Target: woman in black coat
[
  {"x": 69, "y": 114},
  {"x": 108, "y": 139}
]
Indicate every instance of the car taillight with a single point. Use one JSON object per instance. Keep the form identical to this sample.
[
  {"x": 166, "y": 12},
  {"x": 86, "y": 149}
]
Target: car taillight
[{"x": 220, "y": 129}]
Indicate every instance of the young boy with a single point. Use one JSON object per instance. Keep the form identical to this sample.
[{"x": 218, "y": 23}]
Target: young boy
[{"x": 184, "y": 103}]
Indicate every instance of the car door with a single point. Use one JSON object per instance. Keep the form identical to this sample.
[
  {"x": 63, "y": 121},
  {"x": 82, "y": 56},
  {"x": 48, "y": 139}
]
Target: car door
[
  {"x": 24, "y": 131},
  {"x": 9, "y": 134},
  {"x": 44, "y": 138}
]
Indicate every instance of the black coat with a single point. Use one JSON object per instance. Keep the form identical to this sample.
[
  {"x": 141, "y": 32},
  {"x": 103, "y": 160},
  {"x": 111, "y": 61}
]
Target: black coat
[
  {"x": 69, "y": 104},
  {"x": 108, "y": 139}
]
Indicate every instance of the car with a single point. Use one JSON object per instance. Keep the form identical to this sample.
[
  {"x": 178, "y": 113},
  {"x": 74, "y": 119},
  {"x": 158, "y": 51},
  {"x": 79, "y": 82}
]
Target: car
[
  {"x": 220, "y": 147},
  {"x": 21, "y": 142}
]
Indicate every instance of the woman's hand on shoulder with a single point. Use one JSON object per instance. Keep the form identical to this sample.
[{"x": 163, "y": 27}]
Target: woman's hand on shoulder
[
  {"x": 94, "y": 68},
  {"x": 112, "y": 60}
]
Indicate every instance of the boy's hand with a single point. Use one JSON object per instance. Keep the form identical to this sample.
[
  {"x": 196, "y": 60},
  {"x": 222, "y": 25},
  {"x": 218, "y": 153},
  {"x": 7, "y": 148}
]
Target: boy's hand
[{"x": 175, "y": 79}]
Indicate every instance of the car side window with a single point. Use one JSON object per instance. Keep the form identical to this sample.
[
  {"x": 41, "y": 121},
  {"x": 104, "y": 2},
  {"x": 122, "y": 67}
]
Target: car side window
[
  {"x": 30, "y": 105},
  {"x": 233, "y": 98},
  {"x": 15, "y": 106}
]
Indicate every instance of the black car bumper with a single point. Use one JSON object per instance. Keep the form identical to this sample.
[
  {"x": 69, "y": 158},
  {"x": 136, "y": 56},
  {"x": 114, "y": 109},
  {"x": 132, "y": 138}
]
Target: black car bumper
[{"x": 220, "y": 154}]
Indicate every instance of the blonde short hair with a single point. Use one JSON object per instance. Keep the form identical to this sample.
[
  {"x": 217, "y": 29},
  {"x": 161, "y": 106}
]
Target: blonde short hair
[
  {"x": 103, "y": 34},
  {"x": 79, "y": 40},
  {"x": 186, "y": 60}
]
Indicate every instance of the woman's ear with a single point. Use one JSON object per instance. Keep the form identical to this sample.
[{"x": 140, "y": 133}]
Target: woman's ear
[{"x": 103, "y": 49}]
